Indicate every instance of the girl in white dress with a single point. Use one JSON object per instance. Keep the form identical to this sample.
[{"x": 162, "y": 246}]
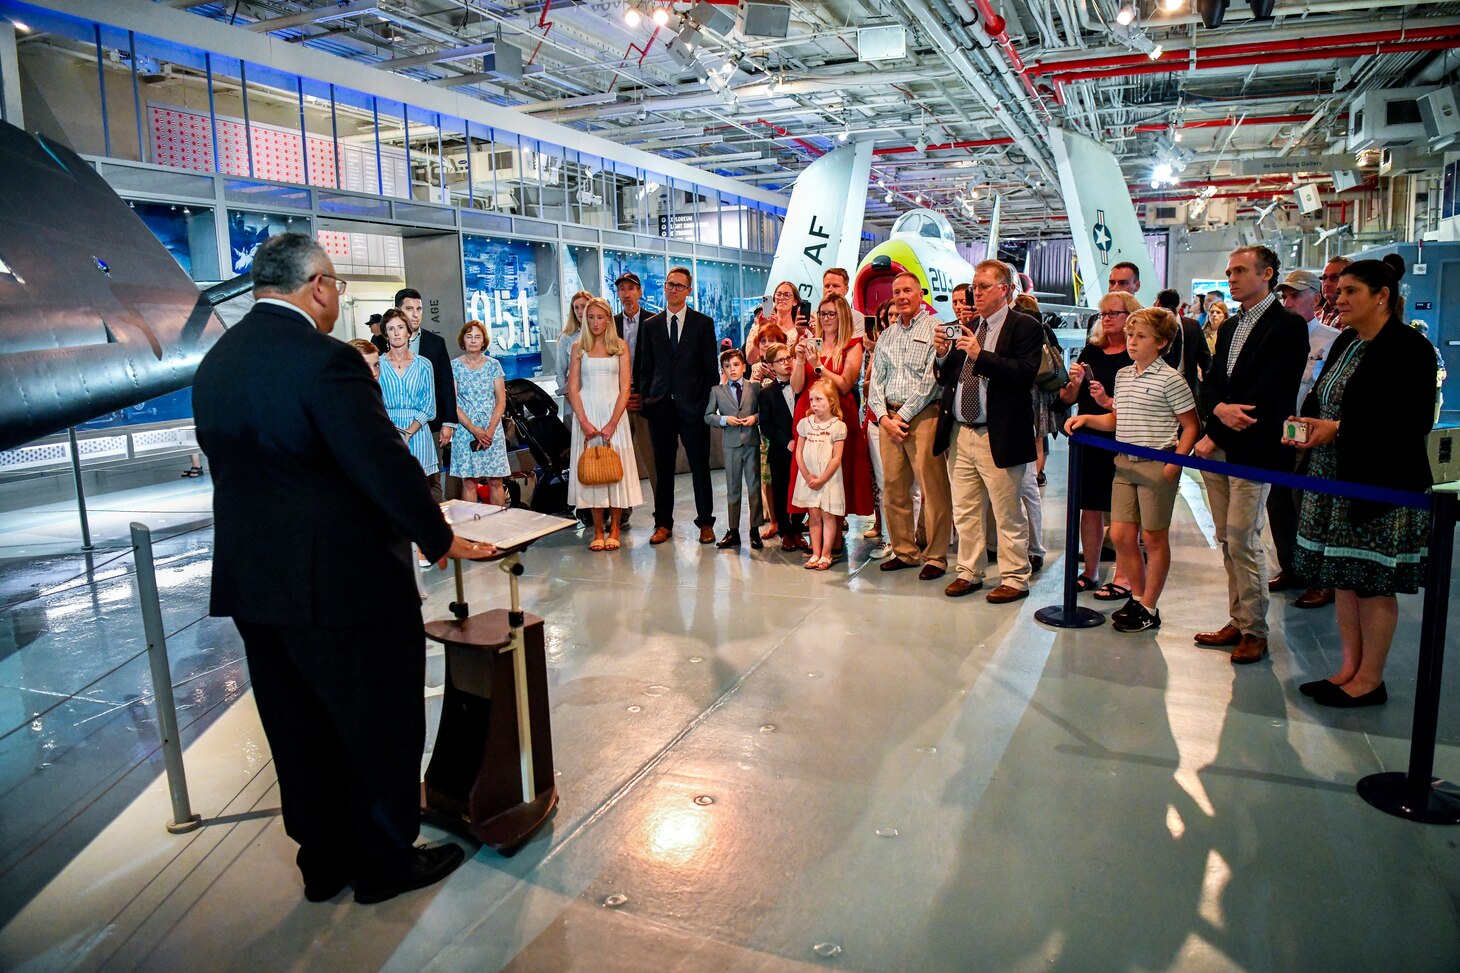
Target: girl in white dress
[
  {"x": 820, "y": 437},
  {"x": 599, "y": 375}
]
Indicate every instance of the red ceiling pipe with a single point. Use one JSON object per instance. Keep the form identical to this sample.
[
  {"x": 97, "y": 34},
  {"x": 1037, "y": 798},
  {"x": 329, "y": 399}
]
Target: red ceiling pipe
[
  {"x": 1207, "y": 64},
  {"x": 994, "y": 25},
  {"x": 973, "y": 144},
  {"x": 1232, "y": 50},
  {"x": 1227, "y": 122}
]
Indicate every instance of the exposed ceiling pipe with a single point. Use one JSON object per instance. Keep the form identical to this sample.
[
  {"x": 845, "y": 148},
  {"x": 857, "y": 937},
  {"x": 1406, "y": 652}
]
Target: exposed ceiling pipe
[
  {"x": 1300, "y": 53},
  {"x": 992, "y": 26},
  {"x": 1227, "y": 122},
  {"x": 317, "y": 16},
  {"x": 1310, "y": 39},
  {"x": 968, "y": 144}
]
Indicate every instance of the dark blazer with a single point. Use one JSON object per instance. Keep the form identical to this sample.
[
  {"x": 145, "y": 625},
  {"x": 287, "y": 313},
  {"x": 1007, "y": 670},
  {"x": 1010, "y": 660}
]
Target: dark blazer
[
  {"x": 1266, "y": 375},
  {"x": 433, "y": 349},
  {"x": 777, "y": 421},
  {"x": 1388, "y": 408},
  {"x": 1010, "y": 369},
  {"x": 618, "y": 324},
  {"x": 1189, "y": 352},
  {"x": 687, "y": 376},
  {"x": 314, "y": 492}
]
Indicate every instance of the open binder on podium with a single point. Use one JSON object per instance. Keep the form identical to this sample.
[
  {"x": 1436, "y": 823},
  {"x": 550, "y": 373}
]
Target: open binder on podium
[{"x": 491, "y": 767}]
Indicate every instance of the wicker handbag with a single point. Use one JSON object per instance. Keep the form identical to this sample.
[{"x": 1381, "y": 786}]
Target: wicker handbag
[{"x": 600, "y": 465}]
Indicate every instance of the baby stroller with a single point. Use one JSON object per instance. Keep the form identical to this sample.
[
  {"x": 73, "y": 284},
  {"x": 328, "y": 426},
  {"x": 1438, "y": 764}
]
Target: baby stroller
[{"x": 537, "y": 448}]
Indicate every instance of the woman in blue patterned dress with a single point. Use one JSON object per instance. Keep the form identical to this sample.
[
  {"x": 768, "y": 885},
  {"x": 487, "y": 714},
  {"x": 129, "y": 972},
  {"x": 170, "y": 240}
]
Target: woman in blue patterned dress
[
  {"x": 409, "y": 391},
  {"x": 481, "y": 397},
  {"x": 1368, "y": 416}
]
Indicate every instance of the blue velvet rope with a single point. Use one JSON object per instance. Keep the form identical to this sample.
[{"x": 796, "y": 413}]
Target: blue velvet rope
[{"x": 1337, "y": 488}]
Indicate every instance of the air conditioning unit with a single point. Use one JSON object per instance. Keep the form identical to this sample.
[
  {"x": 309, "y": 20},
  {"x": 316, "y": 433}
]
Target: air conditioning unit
[
  {"x": 1165, "y": 214},
  {"x": 1219, "y": 212},
  {"x": 1439, "y": 111},
  {"x": 1408, "y": 160},
  {"x": 1386, "y": 118},
  {"x": 504, "y": 164}
]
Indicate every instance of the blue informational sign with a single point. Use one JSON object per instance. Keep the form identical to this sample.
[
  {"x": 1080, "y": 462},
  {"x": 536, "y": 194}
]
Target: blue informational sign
[
  {"x": 165, "y": 408},
  {"x": 717, "y": 292},
  {"x": 650, "y": 269},
  {"x": 503, "y": 292}
]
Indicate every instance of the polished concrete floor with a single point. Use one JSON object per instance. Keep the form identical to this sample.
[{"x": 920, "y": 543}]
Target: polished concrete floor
[{"x": 761, "y": 768}]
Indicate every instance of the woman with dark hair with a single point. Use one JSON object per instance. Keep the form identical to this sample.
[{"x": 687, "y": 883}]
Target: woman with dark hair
[
  {"x": 786, "y": 315},
  {"x": 409, "y": 390},
  {"x": 1368, "y": 415}
]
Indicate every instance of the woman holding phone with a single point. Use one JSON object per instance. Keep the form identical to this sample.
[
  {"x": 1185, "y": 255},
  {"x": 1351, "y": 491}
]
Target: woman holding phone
[{"x": 786, "y": 313}]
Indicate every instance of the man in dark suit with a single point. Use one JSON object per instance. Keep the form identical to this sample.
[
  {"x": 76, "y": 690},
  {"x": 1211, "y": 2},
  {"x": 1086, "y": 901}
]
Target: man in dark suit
[
  {"x": 628, "y": 321},
  {"x": 678, "y": 365},
  {"x": 432, "y": 347},
  {"x": 305, "y": 460},
  {"x": 1246, "y": 395},
  {"x": 986, "y": 426}
]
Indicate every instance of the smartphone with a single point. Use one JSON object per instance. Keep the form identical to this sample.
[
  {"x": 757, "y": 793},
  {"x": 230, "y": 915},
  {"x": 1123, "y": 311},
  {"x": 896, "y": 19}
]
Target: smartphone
[
  {"x": 1296, "y": 431},
  {"x": 767, "y": 306},
  {"x": 804, "y": 311},
  {"x": 953, "y": 331}
]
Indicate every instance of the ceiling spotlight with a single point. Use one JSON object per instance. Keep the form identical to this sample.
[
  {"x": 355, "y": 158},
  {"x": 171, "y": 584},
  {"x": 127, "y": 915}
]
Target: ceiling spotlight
[
  {"x": 1126, "y": 16},
  {"x": 922, "y": 143},
  {"x": 918, "y": 199},
  {"x": 1172, "y": 5},
  {"x": 632, "y": 17},
  {"x": 23, "y": 28},
  {"x": 660, "y": 16},
  {"x": 1211, "y": 12},
  {"x": 1155, "y": 53},
  {"x": 843, "y": 135},
  {"x": 1261, "y": 9},
  {"x": 888, "y": 197}
]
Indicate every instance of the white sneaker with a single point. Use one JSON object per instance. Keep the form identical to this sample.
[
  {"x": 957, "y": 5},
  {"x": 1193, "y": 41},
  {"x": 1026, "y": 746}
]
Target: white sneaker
[{"x": 881, "y": 551}]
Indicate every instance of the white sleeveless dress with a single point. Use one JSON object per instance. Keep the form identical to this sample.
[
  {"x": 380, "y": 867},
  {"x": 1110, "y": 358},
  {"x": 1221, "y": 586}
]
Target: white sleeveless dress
[{"x": 600, "y": 395}]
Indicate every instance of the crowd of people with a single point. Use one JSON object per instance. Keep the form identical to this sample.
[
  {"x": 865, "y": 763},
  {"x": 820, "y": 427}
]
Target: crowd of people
[{"x": 927, "y": 428}]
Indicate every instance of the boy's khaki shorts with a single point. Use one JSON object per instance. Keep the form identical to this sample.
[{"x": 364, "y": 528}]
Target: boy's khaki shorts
[{"x": 1141, "y": 494}]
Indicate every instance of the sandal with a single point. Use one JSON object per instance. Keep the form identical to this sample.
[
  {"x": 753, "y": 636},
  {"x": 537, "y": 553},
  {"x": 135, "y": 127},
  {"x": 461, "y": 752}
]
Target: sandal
[
  {"x": 823, "y": 564},
  {"x": 1084, "y": 583},
  {"x": 1110, "y": 591},
  {"x": 811, "y": 564},
  {"x": 597, "y": 544},
  {"x": 612, "y": 544}
]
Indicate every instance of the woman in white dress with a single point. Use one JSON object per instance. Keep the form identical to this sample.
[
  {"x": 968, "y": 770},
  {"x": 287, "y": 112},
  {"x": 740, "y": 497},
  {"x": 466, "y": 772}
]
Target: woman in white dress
[{"x": 599, "y": 374}]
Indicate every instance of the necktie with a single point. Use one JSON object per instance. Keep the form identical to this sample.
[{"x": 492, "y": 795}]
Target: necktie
[
  {"x": 972, "y": 410},
  {"x": 674, "y": 332},
  {"x": 736, "y": 387}
]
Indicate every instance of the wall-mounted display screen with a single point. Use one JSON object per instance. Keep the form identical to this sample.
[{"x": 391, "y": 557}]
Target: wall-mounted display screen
[
  {"x": 247, "y": 230},
  {"x": 511, "y": 286},
  {"x": 717, "y": 293}
]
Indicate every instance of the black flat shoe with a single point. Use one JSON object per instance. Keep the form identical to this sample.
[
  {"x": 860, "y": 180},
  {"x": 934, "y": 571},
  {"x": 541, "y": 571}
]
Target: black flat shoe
[
  {"x": 1339, "y": 699},
  {"x": 1316, "y": 687}
]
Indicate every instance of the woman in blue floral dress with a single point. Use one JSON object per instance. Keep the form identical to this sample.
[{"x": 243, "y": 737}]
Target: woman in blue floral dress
[{"x": 481, "y": 398}]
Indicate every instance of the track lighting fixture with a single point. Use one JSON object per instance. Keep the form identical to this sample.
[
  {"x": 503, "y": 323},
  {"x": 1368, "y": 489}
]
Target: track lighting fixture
[
  {"x": 660, "y": 16},
  {"x": 1126, "y": 15}
]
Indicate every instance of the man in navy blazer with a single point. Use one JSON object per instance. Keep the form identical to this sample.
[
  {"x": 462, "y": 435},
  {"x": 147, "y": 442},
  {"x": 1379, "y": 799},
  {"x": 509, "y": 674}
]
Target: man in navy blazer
[
  {"x": 678, "y": 365},
  {"x": 316, "y": 501},
  {"x": 1247, "y": 394}
]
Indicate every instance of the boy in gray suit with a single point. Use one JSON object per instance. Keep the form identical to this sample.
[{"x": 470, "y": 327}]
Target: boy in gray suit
[{"x": 734, "y": 406}]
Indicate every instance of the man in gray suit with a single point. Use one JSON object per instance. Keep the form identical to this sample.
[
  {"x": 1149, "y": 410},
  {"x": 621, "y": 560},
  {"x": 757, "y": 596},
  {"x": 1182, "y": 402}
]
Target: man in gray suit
[{"x": 735, "y": 407}]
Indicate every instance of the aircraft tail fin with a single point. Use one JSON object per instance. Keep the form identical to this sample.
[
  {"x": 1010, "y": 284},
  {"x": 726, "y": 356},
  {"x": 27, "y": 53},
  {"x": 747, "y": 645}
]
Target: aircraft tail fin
[
  {"x": 1102, "y": 217},
  {"x": 823, "y": 226}
]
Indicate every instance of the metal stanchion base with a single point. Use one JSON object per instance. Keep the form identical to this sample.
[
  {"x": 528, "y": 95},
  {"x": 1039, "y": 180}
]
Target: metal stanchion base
[
  {"x": 1079, "y": 618},
  {"x": 1392, "y": 794},
  {"x": 183, "y": 827}
]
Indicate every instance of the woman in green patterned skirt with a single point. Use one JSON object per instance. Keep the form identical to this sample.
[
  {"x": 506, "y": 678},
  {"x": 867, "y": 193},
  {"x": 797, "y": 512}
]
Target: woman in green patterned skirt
[{"x": 1368, "y": 415}]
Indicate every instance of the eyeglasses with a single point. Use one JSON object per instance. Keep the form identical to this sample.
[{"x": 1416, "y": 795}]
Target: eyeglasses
[
  {"x": 826, "y": 314},
  {"x": 778, "y": 361},
  {"x": 983, "y": 287},
  {"x": 1327, "y": 277},
  {"x": 670, "y": 285},
  {"x": 1113, "y": 314},
  {"x": 340, "y": 283}
]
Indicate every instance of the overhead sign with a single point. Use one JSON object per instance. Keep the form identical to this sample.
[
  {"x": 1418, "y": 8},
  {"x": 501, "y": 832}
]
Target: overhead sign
[{"x": 1294, "y": 163}]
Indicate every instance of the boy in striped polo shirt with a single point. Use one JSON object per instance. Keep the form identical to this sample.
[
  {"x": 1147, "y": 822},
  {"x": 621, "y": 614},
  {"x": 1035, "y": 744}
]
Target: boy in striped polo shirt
[{"x": 1153, "y": 408}]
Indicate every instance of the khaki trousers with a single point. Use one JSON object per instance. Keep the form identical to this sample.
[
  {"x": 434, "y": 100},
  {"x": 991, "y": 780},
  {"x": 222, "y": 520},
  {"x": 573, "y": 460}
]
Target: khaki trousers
[
  {"x": 643, "y": 450},
  {"x": 902, "y": 464},
  {"x": 1237, "y": 512},
  {"x": 975, "y": 480}
]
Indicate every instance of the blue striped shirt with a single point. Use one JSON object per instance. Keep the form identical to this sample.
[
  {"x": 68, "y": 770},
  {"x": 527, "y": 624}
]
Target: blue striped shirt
[
  {"x": 411, "y": 397},
  {"x": 902, "y": 367}
]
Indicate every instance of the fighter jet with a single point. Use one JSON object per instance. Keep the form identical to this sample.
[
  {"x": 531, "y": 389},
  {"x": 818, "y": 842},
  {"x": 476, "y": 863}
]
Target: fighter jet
[
  {"x": 921, "y": 243},
  {"x": 95, "y": 314}
]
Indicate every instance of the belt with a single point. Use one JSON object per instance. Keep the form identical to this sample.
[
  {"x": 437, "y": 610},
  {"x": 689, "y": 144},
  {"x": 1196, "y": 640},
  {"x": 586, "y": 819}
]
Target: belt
[
  {"x": 895, "y": 406},
  {"x": 973, "y": 425}
]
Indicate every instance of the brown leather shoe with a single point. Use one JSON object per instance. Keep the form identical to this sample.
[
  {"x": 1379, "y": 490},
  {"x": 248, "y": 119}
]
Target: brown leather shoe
[
  {"x": 707, "y": 535},
  {"x": 931, "y": 572},
  {"x": 895, "y": 564},
  {"x": 1004, "y": 594},
  {"x": 1250, "y": 649},
  {"x": 1315, "y": 598},
  {"x": 961, "y": 586},
  {"x": 1221, "y": 638},
  {"x": 660, "y": 535},
  {"x": 1285, "y": 582}
]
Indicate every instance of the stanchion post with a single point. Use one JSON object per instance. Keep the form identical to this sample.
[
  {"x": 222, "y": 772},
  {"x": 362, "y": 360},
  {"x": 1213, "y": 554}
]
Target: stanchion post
[
  {"x": 1414, "y": 795},
  {"x": 183, "y": 818},
  {"x": 1068, "y": 614},
  {"x": 512, "y": 564}
]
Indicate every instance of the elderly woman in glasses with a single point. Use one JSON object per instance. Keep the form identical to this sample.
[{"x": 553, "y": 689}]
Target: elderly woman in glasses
[{"x": 1092, "y": 383}]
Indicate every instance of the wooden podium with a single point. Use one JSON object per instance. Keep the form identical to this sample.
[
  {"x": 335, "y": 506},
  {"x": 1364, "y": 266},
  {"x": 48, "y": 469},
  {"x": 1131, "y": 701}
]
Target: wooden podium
[{"x": 491, "y": 767}]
